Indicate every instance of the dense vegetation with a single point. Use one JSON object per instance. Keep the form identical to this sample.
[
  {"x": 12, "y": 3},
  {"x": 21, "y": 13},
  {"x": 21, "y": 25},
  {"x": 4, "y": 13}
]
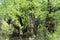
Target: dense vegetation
[{"x": 29, "y": 19}]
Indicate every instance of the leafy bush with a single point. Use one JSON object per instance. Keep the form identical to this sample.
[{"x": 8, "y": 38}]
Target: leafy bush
[{"x": 23, "y": 8}]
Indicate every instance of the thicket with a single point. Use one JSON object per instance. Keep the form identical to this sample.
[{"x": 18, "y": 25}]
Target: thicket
[{"x": 29, "y": 19}]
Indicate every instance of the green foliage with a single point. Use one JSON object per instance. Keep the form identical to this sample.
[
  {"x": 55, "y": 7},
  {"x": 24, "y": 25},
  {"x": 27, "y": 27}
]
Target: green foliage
[{"x": 9, "y": 8}]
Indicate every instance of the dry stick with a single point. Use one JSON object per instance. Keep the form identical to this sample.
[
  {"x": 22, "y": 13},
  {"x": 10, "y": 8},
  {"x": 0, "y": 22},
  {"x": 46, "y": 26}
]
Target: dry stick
[
  {"x": 48, "y": 19},
  {"x": 49, "y": 7},
  {"x": 51, "y": 10}
]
